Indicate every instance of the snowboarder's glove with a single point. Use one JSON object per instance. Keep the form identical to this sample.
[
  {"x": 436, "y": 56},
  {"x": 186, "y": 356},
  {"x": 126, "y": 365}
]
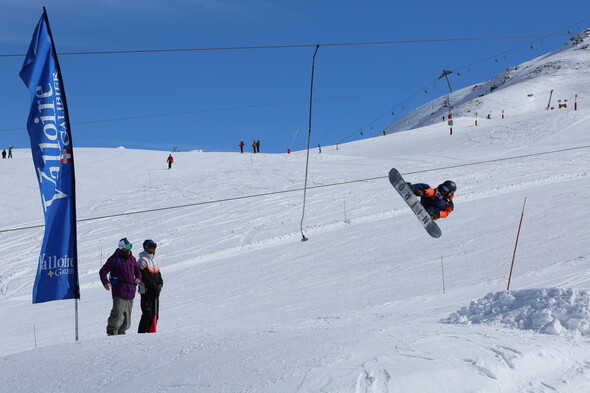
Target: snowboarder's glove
[
  {"x": 419, "y": 193},
  {"x": 435, "y": 215}
]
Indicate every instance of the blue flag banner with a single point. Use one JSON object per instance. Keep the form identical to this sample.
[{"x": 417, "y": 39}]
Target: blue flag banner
[{"x": 51, "y": 144}]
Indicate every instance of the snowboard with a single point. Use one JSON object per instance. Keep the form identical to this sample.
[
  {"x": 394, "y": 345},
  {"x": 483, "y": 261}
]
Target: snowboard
[{"x": 398, "y": 182}]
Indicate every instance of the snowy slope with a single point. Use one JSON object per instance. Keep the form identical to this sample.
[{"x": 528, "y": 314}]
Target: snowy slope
[
  {"x": 248, "y": 307},
  {"x": 522, "y": 89}
]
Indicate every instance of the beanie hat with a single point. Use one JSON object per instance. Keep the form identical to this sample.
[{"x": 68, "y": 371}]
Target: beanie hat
[{"x": 149, "y": 244}]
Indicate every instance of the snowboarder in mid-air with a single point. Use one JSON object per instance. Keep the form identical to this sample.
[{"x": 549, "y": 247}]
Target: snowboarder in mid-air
[{"x": 438, "y": 201}]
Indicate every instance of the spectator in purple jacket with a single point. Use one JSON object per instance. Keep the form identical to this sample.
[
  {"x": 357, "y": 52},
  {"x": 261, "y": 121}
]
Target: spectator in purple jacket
[{"x": 123, "y": 275}]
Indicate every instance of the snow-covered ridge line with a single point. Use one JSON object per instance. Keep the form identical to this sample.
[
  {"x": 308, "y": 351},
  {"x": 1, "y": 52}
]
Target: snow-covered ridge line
[{"x": 523, "y": 88}]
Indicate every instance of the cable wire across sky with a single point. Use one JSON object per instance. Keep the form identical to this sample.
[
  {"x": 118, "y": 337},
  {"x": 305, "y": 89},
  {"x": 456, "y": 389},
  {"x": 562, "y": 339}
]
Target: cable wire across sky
[
  {"x": 301, "y": 189},
  {"x": 113, "y": 52}
]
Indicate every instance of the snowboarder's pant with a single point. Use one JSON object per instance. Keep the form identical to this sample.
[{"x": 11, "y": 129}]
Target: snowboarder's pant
[
  {"x": 120, "y": 318},
  {"x": 149, "y": 309}
]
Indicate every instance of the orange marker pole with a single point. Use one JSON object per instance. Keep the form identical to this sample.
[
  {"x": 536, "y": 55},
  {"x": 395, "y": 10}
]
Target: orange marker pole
[{"x": 515, "y": 246}]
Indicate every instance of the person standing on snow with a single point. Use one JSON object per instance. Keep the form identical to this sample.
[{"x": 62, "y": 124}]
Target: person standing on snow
[
  {"x": 242, "y": 146},
  {"x": 124, "y": 276},
  {"x": 254, "y": 145},
  {"x": 10, "y": 151},
  {"x": 438, "y": 201},
  {"x": 258, "y": 146},
  {"x": 149, "y": 287},
  {"x": 170, "y": 160}
]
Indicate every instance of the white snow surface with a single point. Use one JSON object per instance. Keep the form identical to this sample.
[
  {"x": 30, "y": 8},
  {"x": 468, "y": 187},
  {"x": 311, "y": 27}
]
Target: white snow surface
[{"x": 359, "y": 307}]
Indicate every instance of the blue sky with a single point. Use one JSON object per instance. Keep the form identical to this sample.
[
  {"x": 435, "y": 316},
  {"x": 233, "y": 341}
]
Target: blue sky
[{"x": 262, "y": 93}]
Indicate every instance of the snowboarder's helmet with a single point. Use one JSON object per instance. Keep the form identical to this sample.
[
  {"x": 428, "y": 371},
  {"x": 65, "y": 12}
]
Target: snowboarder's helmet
[
  {"x": 149, "y": 244},
  {"x": 124, "y": 244},
  {"x": 448, "y": 187}
]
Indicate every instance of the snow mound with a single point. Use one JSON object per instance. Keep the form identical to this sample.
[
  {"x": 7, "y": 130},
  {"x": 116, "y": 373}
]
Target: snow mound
[{"x": 544, "y": 310}]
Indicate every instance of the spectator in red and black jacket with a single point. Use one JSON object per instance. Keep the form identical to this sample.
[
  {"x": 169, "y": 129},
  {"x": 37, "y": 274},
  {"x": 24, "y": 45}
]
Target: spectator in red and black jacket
[
  {"x": 438, "y": 201},
  {"x": 149, "y": 288}
]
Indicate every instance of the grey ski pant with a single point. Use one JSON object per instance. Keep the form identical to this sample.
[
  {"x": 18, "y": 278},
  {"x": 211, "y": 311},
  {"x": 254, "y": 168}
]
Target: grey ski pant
[{"x": 120, "y": 318}]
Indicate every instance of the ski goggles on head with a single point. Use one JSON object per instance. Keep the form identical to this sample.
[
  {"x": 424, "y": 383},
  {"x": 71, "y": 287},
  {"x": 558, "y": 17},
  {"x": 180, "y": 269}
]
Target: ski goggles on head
[
  {"x": 124, "y": 244},
  {"x": 446, "y": 190}
]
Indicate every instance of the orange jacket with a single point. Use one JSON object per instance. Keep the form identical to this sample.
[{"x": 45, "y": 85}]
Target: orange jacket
[{"x": 430, "y": 192}]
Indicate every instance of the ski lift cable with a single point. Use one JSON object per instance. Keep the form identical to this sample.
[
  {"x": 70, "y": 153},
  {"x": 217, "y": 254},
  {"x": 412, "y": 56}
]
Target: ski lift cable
[
  {"x": 357, "y": 130},
  {"x": 416, "y": 41},
  {"x": 293, "y": 140},
  {"x": 521, "y": 46},
  {"x": 469, "y": 66},
  {"x": 273, "y": 193},
  {"x": 229, "y": 108}
]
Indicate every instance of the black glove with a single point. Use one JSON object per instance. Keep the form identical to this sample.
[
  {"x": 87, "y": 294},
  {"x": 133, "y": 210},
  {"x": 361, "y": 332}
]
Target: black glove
[
  {"x": 419, "y": 193},
  {"x": 434, "y": 215},
  {"x": 409, "y": 184}
]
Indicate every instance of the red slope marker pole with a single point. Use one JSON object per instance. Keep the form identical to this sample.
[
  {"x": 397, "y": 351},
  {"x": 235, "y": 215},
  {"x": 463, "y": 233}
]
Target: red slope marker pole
[{"x": 516, "y": 245}]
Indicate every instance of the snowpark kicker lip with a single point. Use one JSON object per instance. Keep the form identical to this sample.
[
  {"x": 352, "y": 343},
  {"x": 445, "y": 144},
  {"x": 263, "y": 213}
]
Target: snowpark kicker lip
[{"x": 398, "y": 182}]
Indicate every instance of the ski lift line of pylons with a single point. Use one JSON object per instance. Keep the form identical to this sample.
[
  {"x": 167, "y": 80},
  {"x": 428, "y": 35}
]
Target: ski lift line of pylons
[
  {"x": 530, "y": 43},
  {"x": 468, "y": 67},
  {"x": 457, "y": 71},
  {"x": 300, "y": 189},
  {"x": 369, "y": 124},
  {"x": 431, "y": 84}
]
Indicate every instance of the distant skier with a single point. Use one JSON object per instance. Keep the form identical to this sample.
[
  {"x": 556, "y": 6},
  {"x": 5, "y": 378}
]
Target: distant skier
[
  {"x": 242, "y": 146},
  {"x": 438, "y": 201},
  {"x": 10, "y": 151},
  {"x": 170, "y": 160},
  {"x": 258, "y": 146},
  {"x": 254, "y": 145},
  {"x": 3, "y": 153}
]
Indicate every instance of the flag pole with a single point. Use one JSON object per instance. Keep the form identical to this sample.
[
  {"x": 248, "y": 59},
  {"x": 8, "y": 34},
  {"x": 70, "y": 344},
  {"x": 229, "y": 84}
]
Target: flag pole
[{"x": 73, "y": 219}]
